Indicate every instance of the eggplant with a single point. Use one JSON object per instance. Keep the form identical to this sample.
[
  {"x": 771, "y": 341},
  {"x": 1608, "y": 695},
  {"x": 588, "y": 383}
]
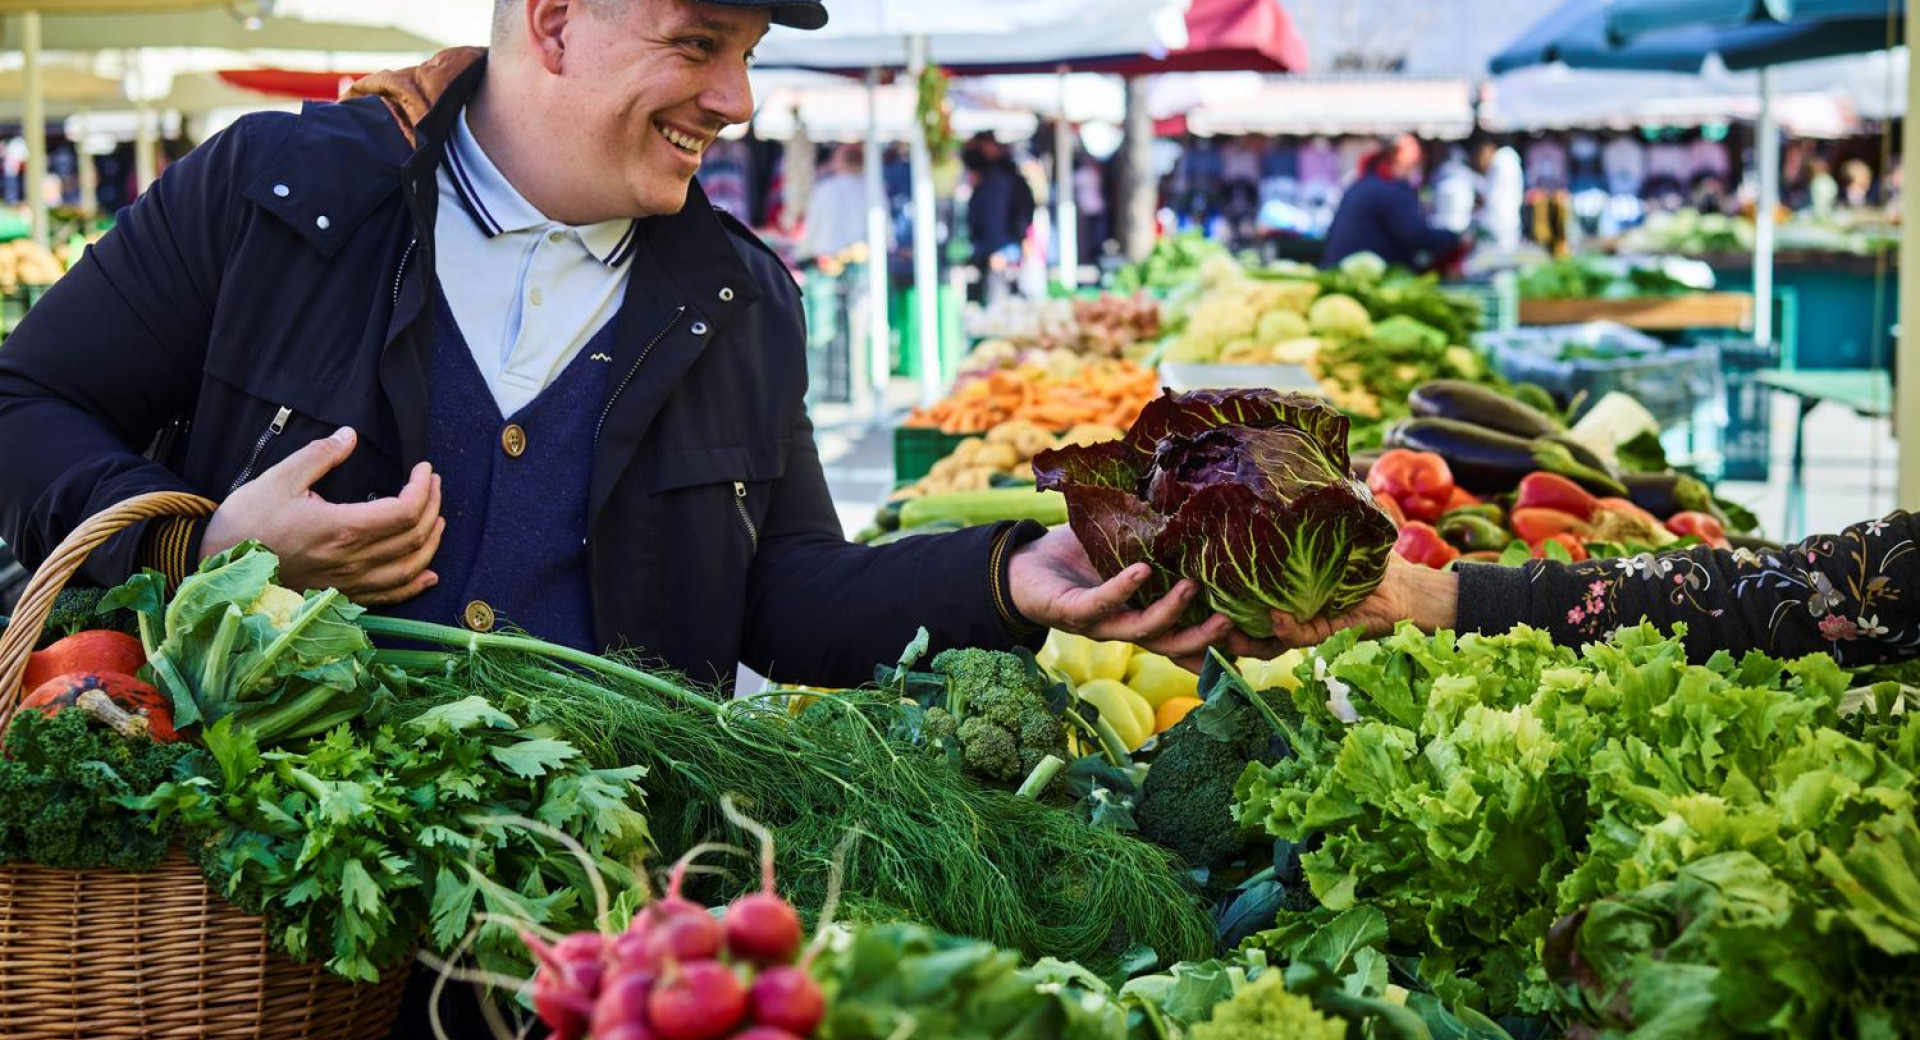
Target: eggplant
[
  {"x": 1473, "y": 403},
  {"x": 1488, "y": 462},
  {"x": 1664, "y": 494}
]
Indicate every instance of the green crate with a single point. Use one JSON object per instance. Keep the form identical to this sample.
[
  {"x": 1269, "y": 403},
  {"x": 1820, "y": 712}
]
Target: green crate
[{"x": 917, "y": 448}]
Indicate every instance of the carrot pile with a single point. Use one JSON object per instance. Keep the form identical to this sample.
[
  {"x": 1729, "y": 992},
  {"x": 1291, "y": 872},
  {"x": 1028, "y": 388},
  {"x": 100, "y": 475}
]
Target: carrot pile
[{"x": 1105, "y": 391}]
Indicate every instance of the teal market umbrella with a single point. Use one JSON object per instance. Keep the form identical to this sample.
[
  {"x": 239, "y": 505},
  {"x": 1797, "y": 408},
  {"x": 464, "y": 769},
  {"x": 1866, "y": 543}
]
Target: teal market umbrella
[{"x": 1627, "y": 19}]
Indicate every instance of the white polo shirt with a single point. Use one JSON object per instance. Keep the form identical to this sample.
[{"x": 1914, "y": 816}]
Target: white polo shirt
[{"x": 527, "y": 292}]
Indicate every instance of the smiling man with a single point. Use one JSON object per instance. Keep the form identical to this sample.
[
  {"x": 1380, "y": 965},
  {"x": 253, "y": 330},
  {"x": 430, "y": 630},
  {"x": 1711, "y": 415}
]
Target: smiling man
[{"x": 476, "y": 349}]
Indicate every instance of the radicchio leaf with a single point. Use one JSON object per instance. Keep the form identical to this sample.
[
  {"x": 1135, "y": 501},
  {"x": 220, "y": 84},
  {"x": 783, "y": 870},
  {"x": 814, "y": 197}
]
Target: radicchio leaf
[{"x": 1245, "y": 491}]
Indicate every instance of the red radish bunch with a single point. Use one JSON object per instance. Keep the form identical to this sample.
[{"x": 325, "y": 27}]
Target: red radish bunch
[{"x": 679, "y": 973}]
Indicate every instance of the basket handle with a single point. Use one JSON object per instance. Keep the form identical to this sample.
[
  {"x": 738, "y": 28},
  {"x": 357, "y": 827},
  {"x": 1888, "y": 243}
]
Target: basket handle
[{"x": 23, "y": 632}]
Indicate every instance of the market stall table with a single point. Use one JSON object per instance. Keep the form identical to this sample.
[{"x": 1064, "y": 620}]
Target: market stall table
[{"x": 1869, "y": 393}]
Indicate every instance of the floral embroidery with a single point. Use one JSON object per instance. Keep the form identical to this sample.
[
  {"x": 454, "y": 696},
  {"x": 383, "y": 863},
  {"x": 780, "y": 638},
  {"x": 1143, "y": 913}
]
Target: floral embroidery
[
  {"x": 1838, "y": 629},
  {"x": 1849, "y": 586}
]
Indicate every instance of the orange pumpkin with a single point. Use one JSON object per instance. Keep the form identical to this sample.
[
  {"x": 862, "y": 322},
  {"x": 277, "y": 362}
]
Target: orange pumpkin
[
  {"x": 127, "y": 693},
  {"x": 95, "y": 650}
]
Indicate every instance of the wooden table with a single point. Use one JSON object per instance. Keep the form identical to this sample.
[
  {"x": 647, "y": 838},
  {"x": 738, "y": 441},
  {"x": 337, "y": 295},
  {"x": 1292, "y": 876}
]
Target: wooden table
[
  {"x": 1868, "y": 392},
  {"x": 1717, "y": 310}
]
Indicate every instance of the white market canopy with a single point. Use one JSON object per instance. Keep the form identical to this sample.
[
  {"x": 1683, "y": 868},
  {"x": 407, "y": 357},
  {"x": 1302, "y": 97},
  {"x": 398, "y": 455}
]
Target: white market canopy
[{"x": 875, "y": 33}]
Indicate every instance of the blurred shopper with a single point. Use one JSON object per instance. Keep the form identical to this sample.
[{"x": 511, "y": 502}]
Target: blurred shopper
[
  {"x": 1456, "y": 192},
  {"x": 1822, "y": 190},
  {"x": 999, "y": 211},
  {"x": 1090, "y": 199},
  {"x": 1505, "y": 197},
  {"x": 1856, "y": 184},
  {"x": 837, "y": 213},
  {"x": 1380, "y": 214}
]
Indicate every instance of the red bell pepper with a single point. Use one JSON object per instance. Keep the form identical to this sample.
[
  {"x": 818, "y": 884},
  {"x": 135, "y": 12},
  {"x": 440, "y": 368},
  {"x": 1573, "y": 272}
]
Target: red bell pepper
[
  {"x": 1421, "y": 544},
  {"x": 1419, "y": 480},
  {"x": 1576, "y": 549},
  {"x": 1691, "y": 524},
  {"x": 1460, "y": 499},
  {"x": 1538, "y": 524},
  {"x": 1553, "y": 491},
  {"x": 1392, "y": 509}
]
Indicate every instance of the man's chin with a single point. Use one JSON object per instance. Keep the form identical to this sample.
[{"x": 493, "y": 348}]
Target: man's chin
[{"x": 662, "y": 200}]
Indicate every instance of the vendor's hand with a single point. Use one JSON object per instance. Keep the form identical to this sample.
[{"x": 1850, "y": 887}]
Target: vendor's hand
[
  {"x": 1053, "y": 583},
  {"x": 1409, "y": 592},
  {"x": 375, "y": 552}
]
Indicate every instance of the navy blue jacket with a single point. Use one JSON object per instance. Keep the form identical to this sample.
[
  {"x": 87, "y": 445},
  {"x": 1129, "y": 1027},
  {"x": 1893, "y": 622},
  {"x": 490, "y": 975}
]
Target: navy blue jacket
[
  {"x": 288, "y": 263},
  {"x": 1381, "y": 215}
]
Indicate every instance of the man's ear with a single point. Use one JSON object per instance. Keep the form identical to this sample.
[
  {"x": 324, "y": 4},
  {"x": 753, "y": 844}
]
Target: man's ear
[{"x": 546, "y": 25}]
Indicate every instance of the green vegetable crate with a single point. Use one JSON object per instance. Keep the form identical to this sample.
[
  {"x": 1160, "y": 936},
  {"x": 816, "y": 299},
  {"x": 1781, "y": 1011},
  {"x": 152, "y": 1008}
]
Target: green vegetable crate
[
  {"x": 917, "y": 448},
  {"x": 126, "y": 955}
]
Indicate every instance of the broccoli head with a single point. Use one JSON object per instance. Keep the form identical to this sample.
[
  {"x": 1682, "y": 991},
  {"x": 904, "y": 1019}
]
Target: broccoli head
[
  {"x": 1186, "y": 802},
  {"x": 1263, "y": 1009},
  {"x": 76, "y": 609},
  {"x": 1005, "y": 727}
]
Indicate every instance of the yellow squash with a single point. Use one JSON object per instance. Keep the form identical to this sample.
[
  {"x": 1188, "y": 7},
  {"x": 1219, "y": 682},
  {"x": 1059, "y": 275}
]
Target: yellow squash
[{"x": 1126, "y": 711}]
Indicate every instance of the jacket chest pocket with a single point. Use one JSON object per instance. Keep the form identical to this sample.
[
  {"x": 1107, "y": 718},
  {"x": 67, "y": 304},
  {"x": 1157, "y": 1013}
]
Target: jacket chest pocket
[
  {"x": 727, "y": 489},
  {"x": 240, "y": 434}
]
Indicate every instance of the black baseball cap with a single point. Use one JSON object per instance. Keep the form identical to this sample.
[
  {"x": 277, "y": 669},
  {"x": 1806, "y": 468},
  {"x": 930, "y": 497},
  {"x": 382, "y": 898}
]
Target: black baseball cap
[{"x": 799, "y": 14}]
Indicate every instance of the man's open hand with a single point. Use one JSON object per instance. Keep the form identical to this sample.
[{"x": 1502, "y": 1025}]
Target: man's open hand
[
  {"x": 1053, "y": 583},
  {"x": 375, "y": 552}
]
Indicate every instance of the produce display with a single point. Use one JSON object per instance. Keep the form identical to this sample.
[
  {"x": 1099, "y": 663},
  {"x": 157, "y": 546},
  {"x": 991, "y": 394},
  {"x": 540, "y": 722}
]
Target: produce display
[
  {"x": 1246, "y": 492},
  {"x": 1103, "y": 326},
  {"x": 26, "y": 262},
  {"x": 1603, "y": 278},
  {"x": 1481, "y": 477},
  {"x": 1057, "y": 396},
  {"x": 1613, "y": 838},
  {"x": 1366, "y": 334},
  {"x": 1172, "y": 262}
]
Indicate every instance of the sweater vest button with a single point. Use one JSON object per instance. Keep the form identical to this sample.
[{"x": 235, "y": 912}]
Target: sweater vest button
[
  {"x": 478, "y": 616},
  {"x": 513, "y": 440}
]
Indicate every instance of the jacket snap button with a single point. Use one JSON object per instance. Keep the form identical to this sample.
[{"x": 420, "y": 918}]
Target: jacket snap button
[
  {"x": 282, "y": 190},
  {"x": 513, "y": 440},
  {"x": 322, "y": 222},
  {"x": 726, "y": 295},
  {"x": 478, "y": 616},
  {"x": 699, "y": 328}
]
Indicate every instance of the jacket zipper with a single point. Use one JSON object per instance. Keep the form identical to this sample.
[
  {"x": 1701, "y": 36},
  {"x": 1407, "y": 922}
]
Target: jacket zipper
[
  {"x": 740, "y": 503},
  {"x": 633, "y": 371},
  {"x": 401, "y": 271},
  {"x": 274, "y": 429}
]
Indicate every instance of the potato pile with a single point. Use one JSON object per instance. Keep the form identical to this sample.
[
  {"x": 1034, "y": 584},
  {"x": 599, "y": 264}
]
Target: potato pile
[
  {"x": 1004, "y": 454},
  {"x": 26, "y": 262}
]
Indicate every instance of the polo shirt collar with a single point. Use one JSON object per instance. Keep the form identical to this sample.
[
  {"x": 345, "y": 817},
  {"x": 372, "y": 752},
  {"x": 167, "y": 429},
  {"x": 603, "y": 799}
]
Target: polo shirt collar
[{"x": 498, "y": 209}]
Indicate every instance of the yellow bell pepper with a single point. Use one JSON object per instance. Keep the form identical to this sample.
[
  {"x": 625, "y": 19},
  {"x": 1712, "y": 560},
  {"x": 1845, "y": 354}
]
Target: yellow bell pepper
[
  {"x": 1276, "y": 674},
  {"x": 1126, "y": 711},
  {"x": 1159, "y": 680},
  {"x": 1082, "y": 660}
]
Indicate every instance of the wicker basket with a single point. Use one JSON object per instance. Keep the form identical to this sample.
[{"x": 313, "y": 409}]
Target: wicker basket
[{"x": 118, "y": 955}]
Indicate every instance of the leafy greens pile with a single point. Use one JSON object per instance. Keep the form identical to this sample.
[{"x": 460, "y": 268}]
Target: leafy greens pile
[
  {"x": 1248, "y": 492},
  {"x": 1726, "y": 853}
]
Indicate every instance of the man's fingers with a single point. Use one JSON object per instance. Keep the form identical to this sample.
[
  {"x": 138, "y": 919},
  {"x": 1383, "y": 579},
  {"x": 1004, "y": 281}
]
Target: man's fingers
[
  {"x": 403, "y": 568},
  {"x": 1094, "y": 605},
  {"x": 409, "y": 541},
  {"x": 365, "y": 523},
  {"x": 399, "y": 594},
  {"x": 1141, "y": 625},
  {"x": 301, "y": 470},
  {"x": 1191, "y": 642}
]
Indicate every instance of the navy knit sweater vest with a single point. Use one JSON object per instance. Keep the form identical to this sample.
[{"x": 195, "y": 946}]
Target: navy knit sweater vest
[{"x": 514, "y": 494}]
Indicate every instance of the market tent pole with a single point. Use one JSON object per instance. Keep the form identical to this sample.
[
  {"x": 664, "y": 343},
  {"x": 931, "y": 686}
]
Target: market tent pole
[
  {"x": 35, "y": 125},
  {"x": 879, "y": 243},
  {"x": 926, "y": 261},
  {"x": 1906, "y": 421},
  {"x": 146, "y": 166},
  {"x": 1139, "y": 195},
  {"x": 1066, "y": 209},
  {"x": 1767, "y": 154},
  {"x": 89, "y": 174}
]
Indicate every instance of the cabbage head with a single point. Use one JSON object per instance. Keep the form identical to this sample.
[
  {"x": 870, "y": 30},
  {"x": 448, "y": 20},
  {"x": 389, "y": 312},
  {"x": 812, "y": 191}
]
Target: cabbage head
[
  {"x": 1339, "y": 316},
  {"x": 1367, "y": 267},
  {"x": 1280, "y": 326},
  {"x": 1247, "y": 492}
]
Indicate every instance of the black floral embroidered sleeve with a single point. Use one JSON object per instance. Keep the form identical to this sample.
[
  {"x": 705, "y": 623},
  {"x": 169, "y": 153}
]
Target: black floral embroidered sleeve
[{"x": 1848, "y": 594}]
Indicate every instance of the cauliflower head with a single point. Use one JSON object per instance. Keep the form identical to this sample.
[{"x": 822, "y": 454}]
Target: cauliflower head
[{"x": 1339, "y": 316}]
